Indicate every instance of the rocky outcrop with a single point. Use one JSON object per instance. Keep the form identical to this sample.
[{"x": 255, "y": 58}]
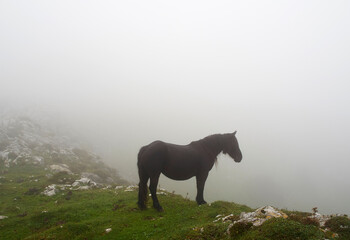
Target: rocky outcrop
[
  {"x": 262, "y": 214},
  {"x": 80, "y": 184},
  {"x": 256, "y": 218}
]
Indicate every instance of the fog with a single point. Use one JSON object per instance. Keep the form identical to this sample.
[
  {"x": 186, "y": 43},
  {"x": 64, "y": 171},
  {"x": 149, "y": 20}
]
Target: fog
[{"x": 125, "y": 73}]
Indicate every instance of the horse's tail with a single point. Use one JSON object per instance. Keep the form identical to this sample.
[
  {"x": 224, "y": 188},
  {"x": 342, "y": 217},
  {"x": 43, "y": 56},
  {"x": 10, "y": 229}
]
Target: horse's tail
[
  {"x": 143, "y": 191},
  {"x": 142, "y": 150}
]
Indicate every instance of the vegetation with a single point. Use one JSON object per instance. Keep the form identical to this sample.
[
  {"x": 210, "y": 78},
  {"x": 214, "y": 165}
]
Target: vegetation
[
  {"x": 110, "y": 213},
  {"x": 340, "y": 225},
  {"x": 286, "y": 229},
  {"x": 87, "y": 214}
]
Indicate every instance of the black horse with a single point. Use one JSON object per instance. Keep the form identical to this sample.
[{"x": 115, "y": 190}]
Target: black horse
[{"x": 181, "y": 162}]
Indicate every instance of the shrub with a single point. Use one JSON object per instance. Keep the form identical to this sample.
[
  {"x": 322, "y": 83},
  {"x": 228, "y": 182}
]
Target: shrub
[
  {"x": 340, "y": 225},
  {"x": 304, "y": 219}
]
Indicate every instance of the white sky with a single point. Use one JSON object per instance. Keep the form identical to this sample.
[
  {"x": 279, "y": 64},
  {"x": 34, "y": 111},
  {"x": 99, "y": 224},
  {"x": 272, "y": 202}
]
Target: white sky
[{"x": 126, "y": 73}]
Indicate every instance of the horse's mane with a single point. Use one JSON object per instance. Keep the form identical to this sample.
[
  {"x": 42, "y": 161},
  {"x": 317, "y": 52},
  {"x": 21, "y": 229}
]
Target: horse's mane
[{"x": 212, "y": 144}]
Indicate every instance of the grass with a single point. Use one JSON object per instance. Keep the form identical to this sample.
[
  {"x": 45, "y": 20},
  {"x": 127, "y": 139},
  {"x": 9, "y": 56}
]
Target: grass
[
  {"x": 280, "y": 228},
  {"x": 86, "y": 214}
]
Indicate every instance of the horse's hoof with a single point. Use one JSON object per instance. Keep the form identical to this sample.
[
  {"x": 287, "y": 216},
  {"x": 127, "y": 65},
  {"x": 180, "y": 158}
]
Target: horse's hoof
[
  {"x": 159, "y": 209},
  {"x": 202, "y": 202},
  {"x": 142, "y": 207}
]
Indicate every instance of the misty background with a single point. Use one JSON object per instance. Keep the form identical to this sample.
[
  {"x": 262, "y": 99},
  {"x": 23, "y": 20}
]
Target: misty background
[{"x": 121, "y": 74}]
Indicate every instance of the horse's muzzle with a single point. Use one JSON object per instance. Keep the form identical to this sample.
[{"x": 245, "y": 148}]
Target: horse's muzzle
[{"x": 238, "y": 158}]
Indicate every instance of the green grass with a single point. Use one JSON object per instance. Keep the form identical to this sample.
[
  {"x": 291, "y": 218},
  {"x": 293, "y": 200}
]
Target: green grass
[
  {"x": 87, "y": 214},
  {"x": 279, "y": 228}
]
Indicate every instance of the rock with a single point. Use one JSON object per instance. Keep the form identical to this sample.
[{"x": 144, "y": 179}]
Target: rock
[
  {"x": 3, "y": 217},
  {"x": 257, "y": 218},
  {"x": 130, "y": 188},
  {"x": 322, "y": 219},
  {"x": 108, "y": 230},
  {"x": 37, "y": 159},
  {"x": 50, "y": 190},
  {"x": 271, "y": 212},
  {"x": 92, "y": 176},
  {"x": 84, "y": 188},
  {"x": 159, "y": 193},
  {"x": 84, "y": 181},
  {"x": 60, "y": 168}
]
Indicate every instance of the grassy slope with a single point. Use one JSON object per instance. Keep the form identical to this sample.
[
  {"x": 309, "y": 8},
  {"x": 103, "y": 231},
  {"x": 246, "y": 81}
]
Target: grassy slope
[{"x": 86, "y": 214}]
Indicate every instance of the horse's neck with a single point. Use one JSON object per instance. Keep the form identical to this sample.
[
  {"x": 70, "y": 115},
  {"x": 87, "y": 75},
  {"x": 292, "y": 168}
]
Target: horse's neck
[{"x": 213, "y": 144}]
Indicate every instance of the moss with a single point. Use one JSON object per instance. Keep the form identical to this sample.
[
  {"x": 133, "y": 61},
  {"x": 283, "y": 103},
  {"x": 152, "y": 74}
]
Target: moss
[
  {"x": 238, "y": 229},
  {"x": 279, "y": 228},
  {"x": 208, "y": 232}
]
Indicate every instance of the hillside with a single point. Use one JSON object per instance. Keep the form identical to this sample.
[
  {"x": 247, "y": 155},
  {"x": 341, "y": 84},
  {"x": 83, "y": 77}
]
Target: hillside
[
  {"x": 51, "y": 188},
  {"x": 111, "y": 213},
  {"x": 26, "y": 143}
]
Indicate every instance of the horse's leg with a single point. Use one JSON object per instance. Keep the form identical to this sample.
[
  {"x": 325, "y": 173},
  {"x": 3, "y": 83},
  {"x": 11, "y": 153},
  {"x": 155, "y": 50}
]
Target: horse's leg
[
  {"x": 201, "y": 178},
  {"x": 143, "y": 189},
  {"x": 153, "y": 188}
]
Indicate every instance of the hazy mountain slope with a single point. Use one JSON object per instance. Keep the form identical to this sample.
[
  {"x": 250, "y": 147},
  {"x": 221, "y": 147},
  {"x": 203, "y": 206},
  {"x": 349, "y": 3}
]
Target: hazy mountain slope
[{"x": 25, "y": 143}]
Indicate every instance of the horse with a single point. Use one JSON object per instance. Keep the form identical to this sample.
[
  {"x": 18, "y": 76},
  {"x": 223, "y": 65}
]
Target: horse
[{"x": 182, "y": 162}]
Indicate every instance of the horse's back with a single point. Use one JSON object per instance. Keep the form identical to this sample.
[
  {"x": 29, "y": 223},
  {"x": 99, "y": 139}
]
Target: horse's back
[{"x": 152, "y": 155}]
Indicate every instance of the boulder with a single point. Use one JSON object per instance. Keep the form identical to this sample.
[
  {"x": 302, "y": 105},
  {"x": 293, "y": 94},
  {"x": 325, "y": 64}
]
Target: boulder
[{"x": 56, "y": 168}]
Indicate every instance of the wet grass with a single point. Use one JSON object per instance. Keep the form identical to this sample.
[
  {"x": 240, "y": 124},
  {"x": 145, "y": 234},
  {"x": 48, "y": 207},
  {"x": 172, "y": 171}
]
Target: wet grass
[{"x": 87, "y": 214}]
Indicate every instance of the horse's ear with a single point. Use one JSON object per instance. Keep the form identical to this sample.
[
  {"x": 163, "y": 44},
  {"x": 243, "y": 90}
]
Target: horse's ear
[{"x": 234, "y": 133}]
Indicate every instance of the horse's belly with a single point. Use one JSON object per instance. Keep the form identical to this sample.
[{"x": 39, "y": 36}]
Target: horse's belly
[
  {"x": 182, "y": 163},
  {"x": 178, "y": 174}
]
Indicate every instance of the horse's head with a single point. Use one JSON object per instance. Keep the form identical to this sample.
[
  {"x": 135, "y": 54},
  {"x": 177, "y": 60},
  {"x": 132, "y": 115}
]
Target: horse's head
[{"x": 231, "y": 147}]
